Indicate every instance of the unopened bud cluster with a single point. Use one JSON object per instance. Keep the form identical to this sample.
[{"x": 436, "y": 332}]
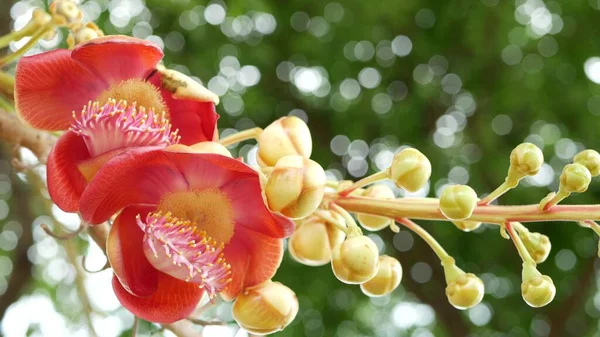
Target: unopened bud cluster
[{"x": 295, "y": 187}]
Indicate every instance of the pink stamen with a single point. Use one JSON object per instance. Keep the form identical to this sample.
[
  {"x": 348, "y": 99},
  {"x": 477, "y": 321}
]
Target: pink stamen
[
  {"x": 177, "y": 247},
  {"x": 117, "y": 124}
]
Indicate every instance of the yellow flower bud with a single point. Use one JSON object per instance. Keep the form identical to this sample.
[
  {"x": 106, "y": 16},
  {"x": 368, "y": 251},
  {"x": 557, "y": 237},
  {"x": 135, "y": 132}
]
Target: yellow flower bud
[
  {"x": 82, "y": 33},
  {"x": 266, "y": 308},
  {"x": 467, "y": 226},
  {"x": 590, "y": 159},
  {"x": 457, "y": 202},
  {"x": 184, "y": 87},
  {"x": 525, "y": 159},
  {"x": 296, "y": 186},
  {"x": 40, "y": 18},
  {"x": 65, "y": 12},
  {"x": 387, "y": 279},
  {"x": 537, "y": 289},
  {"x": 284, "y": 137},
  {"x": 375, "y": 222},
  {"x": 466, "y": 291},
  {"x": 575, "y": 178},
  {"x": 356, "y": 260},
  {"x": 410, "y": 169},
  {"x": 538, "y": 245},
  {"x": 313, "y": 240}
]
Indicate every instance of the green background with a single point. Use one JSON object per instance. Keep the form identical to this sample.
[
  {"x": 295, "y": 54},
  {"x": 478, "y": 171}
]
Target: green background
[{"x": 480, "y": 78}]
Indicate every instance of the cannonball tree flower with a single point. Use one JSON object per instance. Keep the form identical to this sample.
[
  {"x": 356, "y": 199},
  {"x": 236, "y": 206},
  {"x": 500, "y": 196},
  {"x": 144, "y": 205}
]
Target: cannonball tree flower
[
  {"x": 128, "y": 101},
  {"x": 189, "y": 224}
]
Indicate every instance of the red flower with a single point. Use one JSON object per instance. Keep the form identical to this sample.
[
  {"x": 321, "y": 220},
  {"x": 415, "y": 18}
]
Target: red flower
[
  {"x": 189, "y": 223},
  {"x": 51, "y": 88}
]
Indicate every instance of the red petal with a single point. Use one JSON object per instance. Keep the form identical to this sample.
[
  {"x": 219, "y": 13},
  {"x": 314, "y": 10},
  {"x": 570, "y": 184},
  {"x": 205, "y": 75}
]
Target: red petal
[
  {"x": 251, "y": 212},
  {"x": 196, "y": 121},
  {"x": 139, "y": 176},
  {"x": 50, "y": 86},
  {"x": 210, "y": 170},
  {"x": 65, "y": 182},
  {"x": 173, "y": 300},
  {"x": 125, "y": 252},
  {"x": 117, "y": 58},
  {"x": 254, "y": 258}
]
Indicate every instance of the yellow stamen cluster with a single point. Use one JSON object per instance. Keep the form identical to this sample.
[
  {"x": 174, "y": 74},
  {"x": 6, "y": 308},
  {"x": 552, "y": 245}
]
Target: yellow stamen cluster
[
  {"x": 187, "y": 253},
  {"x": 119, "y": 124}
]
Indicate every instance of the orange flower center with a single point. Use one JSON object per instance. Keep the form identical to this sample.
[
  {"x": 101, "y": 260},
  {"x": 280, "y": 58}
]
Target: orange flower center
[
  {"x": 119, "y": 125},
  {"x": 181, "y": 249},
  {"x": 137, "y": 91},
  {"x": 209, "y": 209}
]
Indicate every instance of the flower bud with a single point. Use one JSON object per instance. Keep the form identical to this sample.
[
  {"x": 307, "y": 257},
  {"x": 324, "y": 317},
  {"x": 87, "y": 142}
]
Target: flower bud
[
  {"x": 376, "y": 222},
  {"x": 296, "y": 186},
  {"x": 386, "y": 280},
  {"x": 590, "y": 159},
  {"x": 82, "y": 33},
  {"x": 65, "y": 12},
  {"x": 537, "y": 289},
  {"x": 266, "y": 308},
  {"x": 184, "y": 87},
  {"x": 525, "y": 159},
  {"x": 538, "y": 245},
  {"x": 410, "y": 169},
  {"x": 313, "y": 240},
  {"x": 575, "y": 178},
  {"x": 466, "y": 291},
  {"x": 356, "y": 260},
  {"x": 467, "y": 226},
  {"x": 40, "y": 18},
  {"x": 285, "y": 137},
  {"x": 457, "y": 202}
]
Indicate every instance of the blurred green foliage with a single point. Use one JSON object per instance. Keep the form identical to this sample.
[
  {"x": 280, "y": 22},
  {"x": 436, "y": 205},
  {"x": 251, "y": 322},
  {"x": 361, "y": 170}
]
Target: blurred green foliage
[{"x": 469, "y": 63}]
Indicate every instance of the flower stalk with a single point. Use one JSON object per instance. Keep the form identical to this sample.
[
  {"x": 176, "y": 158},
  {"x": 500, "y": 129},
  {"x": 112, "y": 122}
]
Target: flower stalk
[
  {"x": 241, "y": 136},
  {"x": 523, "y": 253},
  {"x": 39, "y": 34},
  {"x": 419, "y": 208},
  {"x": 430, "y": 240}
]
